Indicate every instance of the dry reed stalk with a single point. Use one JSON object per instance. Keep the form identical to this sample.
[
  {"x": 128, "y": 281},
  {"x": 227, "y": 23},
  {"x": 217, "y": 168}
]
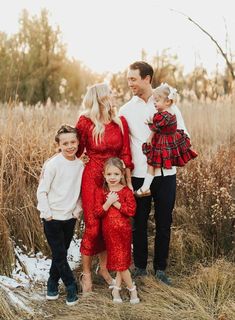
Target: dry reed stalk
[
  {"x": 186, "y": 248},
  {"x": 6, "y": 248},
  {"x": 6, "y": 312}
]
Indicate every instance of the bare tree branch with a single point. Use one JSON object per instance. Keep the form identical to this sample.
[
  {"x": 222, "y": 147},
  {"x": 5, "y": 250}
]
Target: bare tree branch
[{"x": 229, "y": 65}]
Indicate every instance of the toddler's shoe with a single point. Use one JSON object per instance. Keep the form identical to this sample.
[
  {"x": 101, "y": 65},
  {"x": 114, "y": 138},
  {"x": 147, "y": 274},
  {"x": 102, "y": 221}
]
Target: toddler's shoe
[{"x": 142, "y": 193}]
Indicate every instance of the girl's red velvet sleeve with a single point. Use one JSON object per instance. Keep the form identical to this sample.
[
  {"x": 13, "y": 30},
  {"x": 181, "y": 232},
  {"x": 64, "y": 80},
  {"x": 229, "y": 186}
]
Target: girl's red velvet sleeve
[
  {"x": 126, "y": 150},
  {"x": 82, "y": 128},
  {"x": 99, "y": 212},
  {"x": 160, "y": 120},
  {"x": 128, "y": 203}
]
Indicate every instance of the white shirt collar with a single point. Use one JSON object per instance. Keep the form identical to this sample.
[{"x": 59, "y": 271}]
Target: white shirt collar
[{"x": 138, "y": 99}]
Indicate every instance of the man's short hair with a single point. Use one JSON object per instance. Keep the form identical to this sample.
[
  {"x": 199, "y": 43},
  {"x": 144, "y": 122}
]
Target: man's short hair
[{"x": 144, "y": 68}]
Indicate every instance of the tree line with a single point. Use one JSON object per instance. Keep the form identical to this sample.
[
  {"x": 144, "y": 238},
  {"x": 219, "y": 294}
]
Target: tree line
[{"x": 34, "y": 66}]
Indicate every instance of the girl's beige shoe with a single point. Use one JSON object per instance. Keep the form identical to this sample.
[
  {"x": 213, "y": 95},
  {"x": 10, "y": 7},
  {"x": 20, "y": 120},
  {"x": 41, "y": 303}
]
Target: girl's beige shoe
[
  {"x": 133, "y": 295},
  {"x": 116, "y": 295}
]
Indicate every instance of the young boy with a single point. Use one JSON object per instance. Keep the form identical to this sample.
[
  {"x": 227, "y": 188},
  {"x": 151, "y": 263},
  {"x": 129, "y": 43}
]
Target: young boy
[{"x": 59, "y": 205}]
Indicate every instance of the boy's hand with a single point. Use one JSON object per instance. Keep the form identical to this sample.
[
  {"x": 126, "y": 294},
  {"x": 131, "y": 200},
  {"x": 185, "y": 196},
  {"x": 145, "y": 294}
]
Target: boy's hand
[{"x": 49, "y": 219}]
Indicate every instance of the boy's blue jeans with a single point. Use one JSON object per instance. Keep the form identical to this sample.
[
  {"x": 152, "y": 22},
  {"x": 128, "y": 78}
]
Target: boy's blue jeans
[{"x": 59, "y": 235}]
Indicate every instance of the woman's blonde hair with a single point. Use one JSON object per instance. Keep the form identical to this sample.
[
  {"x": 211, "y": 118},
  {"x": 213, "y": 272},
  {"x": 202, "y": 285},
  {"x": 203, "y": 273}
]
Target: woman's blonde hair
[{"x": 97, "y": 106}]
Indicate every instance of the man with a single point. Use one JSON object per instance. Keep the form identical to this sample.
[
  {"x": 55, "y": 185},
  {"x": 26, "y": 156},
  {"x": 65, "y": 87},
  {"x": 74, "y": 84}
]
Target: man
[{"x": 163, "y": 188}]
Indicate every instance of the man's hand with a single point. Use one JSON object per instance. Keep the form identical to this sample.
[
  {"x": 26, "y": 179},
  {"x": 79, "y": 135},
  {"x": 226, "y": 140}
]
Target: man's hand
[
  {"x": 149, "y": 141},
  {"x": 148, "y": 121}
]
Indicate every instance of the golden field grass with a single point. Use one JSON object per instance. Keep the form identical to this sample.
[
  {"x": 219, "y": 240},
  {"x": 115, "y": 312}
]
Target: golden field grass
[
  {"x": 206, "y": 294},
  {"x": 202, "y": 247}
]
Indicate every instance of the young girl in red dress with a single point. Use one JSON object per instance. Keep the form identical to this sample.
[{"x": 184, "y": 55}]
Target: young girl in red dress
[
  {"x": 115, "y": 204},
  {"x": 166, "y": 146}
]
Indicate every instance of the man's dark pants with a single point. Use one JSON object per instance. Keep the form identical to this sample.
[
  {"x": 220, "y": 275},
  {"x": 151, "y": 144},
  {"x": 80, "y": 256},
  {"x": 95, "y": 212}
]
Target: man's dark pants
[
  {"x": 163, "y": 190},
  {"x": 59, "y": 235}
]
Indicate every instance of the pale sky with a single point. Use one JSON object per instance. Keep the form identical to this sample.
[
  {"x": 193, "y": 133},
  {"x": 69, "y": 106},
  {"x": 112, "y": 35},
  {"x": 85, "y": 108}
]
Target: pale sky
[{"x": 108, "y": 35}]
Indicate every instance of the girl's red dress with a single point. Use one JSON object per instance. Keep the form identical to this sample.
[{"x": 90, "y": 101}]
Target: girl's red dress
[
  {"x": 116, "y": 228},
  {"x": 114, "y": 144},
  {"x": 169, "y": 147}
]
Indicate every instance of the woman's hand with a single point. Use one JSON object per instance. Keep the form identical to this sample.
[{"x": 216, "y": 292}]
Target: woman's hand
[
  {"x": 129, "y": 185},
  {"x": 84, "y": 158}
]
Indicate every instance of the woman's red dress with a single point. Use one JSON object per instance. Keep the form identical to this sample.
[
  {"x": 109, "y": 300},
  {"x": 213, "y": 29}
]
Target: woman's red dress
[
  {"x": 169, "y": 146},
  {"x": 116, "y": 228},
  {"x": 113, "y": 144}
]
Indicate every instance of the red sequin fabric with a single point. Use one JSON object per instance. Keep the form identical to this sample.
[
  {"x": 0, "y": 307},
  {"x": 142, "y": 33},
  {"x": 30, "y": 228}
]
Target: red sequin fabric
[
  {"x": 114, "y": 144},
  {"x": 116, "y": 228},
  {"x": 169, "y": 147}
]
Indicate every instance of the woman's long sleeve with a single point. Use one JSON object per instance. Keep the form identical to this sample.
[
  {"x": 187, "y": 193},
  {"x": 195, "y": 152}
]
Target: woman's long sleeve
[
  {"x": 99, "y": 202},
  {"x": 82, "y": 128},
  {"x": 126, "y": 150}
]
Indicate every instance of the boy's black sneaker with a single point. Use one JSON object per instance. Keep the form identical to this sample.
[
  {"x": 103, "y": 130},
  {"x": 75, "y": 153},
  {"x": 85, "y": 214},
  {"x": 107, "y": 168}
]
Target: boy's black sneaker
[
  {"x": 72, "y": 294},
  {"x": 52, "y": 290}
]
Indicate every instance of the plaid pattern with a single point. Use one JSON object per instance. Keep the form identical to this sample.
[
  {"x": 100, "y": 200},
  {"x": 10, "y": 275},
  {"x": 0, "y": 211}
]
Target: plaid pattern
[{"x": 169, "y": 147}]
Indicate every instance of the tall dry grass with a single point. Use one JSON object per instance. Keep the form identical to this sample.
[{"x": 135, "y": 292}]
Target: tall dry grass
[
  {"x": 6, "y": 248},
  {"x": 203, "y": 228},
  {"x": 205, "y": 200},
  {"x": 26, "y": 141},
  {"x": 204, "y": 214}
]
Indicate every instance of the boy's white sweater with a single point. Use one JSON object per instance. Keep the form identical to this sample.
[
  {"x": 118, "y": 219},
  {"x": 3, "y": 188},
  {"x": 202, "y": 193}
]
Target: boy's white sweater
[{"x": 59, "y": 188}]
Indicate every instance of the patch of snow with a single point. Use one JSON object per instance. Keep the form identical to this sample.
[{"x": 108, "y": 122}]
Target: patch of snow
[
  {"x": 35, "y": 268},
  {"x": 9, "y": 282}
]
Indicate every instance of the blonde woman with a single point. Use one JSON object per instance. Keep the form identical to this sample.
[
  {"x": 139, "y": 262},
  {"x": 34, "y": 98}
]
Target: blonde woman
[{"x": 102, "y": 135}]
